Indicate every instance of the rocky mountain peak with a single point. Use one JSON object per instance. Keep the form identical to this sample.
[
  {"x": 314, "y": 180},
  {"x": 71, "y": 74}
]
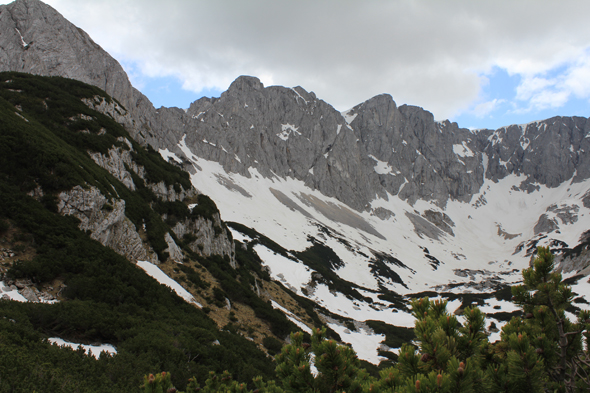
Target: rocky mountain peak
[
  {"x": 371, "y": 150},
  {"x": 245, "y": 83},
  {"x": 377, "y": 101},
  {"x": 39, "y": 40}
]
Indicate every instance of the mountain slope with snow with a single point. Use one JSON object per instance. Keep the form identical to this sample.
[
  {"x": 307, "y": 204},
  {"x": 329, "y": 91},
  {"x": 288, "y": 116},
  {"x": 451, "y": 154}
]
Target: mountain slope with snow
[{"x": 370, "y": 206}]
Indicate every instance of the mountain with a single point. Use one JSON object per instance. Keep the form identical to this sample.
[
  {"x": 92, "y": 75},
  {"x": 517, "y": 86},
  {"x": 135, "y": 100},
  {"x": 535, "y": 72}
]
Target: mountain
[
  {"x": 68, "y": 231},
  {"x": 357, "y": 211}
]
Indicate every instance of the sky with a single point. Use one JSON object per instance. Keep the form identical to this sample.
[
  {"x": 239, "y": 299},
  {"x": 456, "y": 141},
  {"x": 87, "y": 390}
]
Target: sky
[{"x": 483, "y": 64}]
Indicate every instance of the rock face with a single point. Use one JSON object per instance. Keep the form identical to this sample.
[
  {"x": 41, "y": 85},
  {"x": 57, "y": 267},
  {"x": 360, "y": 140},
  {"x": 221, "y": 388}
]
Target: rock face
[
  {"x": 547, "y": 152},
  {"x": 37, "y": 39},
  {"x": 115, "y": 162},
  {"x": 372, "y": 150},
  {"x": 210, "y": 237},
  {"x": 577, "y": 259},
  {"x": 106, "y": 222}
]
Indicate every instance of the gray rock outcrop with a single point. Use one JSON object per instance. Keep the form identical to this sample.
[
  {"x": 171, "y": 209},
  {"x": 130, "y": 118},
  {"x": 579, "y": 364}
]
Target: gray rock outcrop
[
  {"x": 577, "y": 260},
  {"x": 546, "y": 152},
  {"x": 106, "y": 221},
  {"x": 210, "y": 237},
  {"x": 37, "y": 39},
  {"x": 116, "y": 162},
  {"x": 29, "y": 294},
  {"x": 169, "y": 194},
  {"x": 374, "y": 150},
  {"x": 173, "y": 250}
]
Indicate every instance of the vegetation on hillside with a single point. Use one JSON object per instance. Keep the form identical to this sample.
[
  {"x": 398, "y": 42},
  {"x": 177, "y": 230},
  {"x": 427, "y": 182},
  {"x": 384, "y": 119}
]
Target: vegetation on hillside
[
  {"x": 46, "y": 134},
  {"x": 543, "y": 351}
]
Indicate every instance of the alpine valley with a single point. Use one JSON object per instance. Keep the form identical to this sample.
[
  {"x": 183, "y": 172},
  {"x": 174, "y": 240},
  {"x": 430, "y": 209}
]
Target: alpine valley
[{"x": 266, "y": 210}]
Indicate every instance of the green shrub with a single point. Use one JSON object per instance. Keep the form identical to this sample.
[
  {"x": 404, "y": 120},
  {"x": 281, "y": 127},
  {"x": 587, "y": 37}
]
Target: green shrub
[{"x": 272, "y": 345}]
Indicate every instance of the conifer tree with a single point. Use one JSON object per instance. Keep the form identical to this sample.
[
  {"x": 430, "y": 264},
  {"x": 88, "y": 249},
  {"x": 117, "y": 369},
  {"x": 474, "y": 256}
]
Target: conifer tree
[
  {"x": 542, "y": 351},
  {"x": 337, "y": 366},
  {"x": 557, "y": 341},
  {"x": 449, "y": 352},
  {"x": 159, "y": 383}
]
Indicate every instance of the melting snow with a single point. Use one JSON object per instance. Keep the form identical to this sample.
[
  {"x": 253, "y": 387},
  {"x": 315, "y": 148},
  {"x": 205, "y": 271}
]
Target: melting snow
[
  {"x": 364, "y": 343},
  {"x": 288, "y": 227},
  {"x": 462, "y": 150},
  {"x": 166, "y": 155},
  {"x": 239, "y": 236},
  {"x": 92, "y": 350},
  {"x": 155, "y": 272},
  {"x": 22, "y": 39},
  {"x": 282, "y": 268},
  {"x": 11, "y": 294},
  {"x": 382, "y": 167},
  {"x": 286, "y": 130},
  {"x": 349, "y": 116},
  {"x": 291, "y": 317}
]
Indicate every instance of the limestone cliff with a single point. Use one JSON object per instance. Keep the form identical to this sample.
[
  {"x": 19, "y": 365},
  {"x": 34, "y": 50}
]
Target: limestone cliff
[
  {"x": 369, "y": 151},
  {"x": 37, "y": 39},
  {"x": 106, "y": 221}
]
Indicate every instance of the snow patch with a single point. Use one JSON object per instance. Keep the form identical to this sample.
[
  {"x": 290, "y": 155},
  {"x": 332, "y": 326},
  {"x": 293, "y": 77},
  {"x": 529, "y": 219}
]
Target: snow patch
[
  {"x": 22, "y": 39},
  {"x": 286, "y": 130},
  {"x": 155, "y": 272},
  {"x": 364, "y": 343},
  {"x": 282, "y": 268},
  {"x": 239, "y": 236},
  {"x": 291, "y": 317},
  {"x": 299, "y": 96},
  {"x": 382, "y": 167},
  {"x": 167, "y": 155},
  {"x": 92, "y": 350},
  {"x": 462, "y": 150},
  {"x": 349, "y": 116},
  {"x": 11, "y": 294}
]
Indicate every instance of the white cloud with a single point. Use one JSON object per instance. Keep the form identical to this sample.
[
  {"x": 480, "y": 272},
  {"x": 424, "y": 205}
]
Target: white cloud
[
  {"x": 431, "y": 54},
  {"x": 485, "y": 108},
  {"x": 577, "y": 78},
  {"x": 554, "y": 87},
  {"x": 530, "y": 87}
]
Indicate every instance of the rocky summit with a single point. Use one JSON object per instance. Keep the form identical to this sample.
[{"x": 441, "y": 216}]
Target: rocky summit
[{"x": 394, "y": 203}]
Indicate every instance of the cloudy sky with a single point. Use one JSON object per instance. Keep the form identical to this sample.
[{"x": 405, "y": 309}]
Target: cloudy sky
[{"x": 480, "y": 63}]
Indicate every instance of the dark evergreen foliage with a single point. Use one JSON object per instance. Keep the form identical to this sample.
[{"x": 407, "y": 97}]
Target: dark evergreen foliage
[{"x": 43, "y": 143}]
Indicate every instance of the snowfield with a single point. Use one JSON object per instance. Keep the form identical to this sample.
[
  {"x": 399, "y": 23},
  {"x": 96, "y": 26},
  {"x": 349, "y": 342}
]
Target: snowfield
[
  {"x": 488, "y": 243},
  {"x": 487, "y": 231}
]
